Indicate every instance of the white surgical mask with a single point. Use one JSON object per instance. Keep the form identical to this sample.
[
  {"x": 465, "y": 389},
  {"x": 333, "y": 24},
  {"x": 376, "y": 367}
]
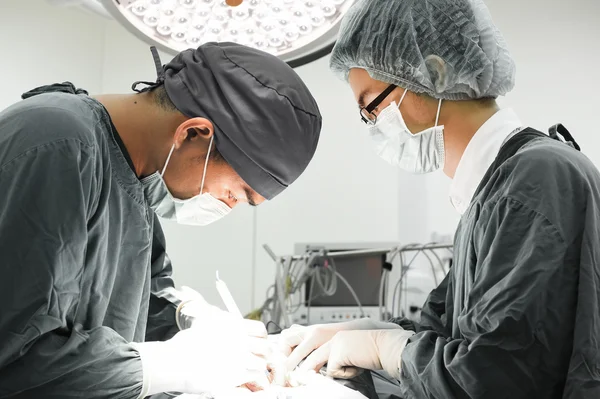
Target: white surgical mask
[
  {"x": 421, "y": 152},
  {"x": 199, "y": 210}
]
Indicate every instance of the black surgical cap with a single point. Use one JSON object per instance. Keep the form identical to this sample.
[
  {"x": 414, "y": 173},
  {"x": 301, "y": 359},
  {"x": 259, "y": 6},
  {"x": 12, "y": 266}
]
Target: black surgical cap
[{"x": 267, "y": 124}]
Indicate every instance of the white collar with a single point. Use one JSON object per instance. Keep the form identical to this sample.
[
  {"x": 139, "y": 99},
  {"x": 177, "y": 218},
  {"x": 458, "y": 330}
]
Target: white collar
[{"x": 479, "y": 155}]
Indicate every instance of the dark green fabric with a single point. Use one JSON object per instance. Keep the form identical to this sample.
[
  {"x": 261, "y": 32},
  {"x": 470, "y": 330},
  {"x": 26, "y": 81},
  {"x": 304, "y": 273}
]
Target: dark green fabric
[
  {"x": 82, "y": 254},
  {"x": 518, "y": 315}
]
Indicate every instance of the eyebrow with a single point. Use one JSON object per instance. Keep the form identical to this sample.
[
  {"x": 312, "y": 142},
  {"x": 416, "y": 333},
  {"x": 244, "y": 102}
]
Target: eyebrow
[
  {"x": 250, "y": 196},
  {"x": 382, "y": 96},
  {"x": 361, "y": 97}
]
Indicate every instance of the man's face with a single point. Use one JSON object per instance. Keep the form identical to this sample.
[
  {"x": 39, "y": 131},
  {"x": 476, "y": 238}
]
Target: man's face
[
  {"x": 183, "y": 175},
  {"x": 418, "y": 112}
]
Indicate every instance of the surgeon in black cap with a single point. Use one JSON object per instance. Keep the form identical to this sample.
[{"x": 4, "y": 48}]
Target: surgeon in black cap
[{"x": 87, "y": 303}]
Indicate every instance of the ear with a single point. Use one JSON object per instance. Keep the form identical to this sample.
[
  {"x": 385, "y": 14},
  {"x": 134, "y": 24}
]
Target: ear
[
  {"x": 438, "y": 70},
  {"x": 192, "y": 129}
]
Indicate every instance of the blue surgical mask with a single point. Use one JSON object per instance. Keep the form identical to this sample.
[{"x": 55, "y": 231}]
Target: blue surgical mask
[
  {"x": 421, "y": 152},
  {"x": 199, "y": 210}
]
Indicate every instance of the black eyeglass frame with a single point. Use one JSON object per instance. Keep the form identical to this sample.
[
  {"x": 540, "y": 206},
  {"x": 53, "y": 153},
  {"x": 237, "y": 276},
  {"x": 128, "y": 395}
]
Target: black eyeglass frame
[{"x": 366, "y": 113}]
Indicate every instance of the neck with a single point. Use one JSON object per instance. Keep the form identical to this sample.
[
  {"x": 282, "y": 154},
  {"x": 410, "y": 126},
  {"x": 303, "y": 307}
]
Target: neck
[
  {"x": 464, "y": 119},
  {"x": 146, "y": 130}
]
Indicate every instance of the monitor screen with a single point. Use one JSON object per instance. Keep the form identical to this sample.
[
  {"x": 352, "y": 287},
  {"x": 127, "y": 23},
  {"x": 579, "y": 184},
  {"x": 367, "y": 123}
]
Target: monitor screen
[{"x": 363, "y": 273}]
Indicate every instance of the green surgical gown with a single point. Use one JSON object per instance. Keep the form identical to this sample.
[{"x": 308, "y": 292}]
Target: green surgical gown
[
  {"x": 518, "y": 315},
  {"x": 82, "y": 256}
]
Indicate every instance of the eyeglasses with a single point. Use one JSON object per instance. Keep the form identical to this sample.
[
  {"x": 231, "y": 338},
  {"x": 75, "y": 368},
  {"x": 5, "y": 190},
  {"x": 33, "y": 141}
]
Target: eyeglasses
[{"x": 366, "y": 113}]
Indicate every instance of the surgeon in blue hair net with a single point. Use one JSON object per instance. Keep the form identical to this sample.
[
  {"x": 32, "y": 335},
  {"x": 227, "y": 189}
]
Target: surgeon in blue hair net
[{"x": 518, "y": 315}]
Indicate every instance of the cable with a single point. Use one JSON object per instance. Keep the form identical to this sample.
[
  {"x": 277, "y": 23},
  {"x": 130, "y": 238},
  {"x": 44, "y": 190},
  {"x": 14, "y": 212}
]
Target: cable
[
  {"x": 298, "y": 305},
  {"x": 360, "y": 309},
  {"x": 277, "y": 296},
  {"x": 403, "y": 270},
  {"x": 276, "y": 326},
  {"x": 315, "y": 267},
  {"x": 401, "y": 260},
  {"x": 381, "y": 285},
  {"x": 433, "y": 273},
  {"x": 285, "y": 294},
  {"x": 399, "y": 249},
  {"x": 272, "y": 286},
  {"x": 323, "y": 276},
  {"x": 310, "y": 290},
  {"x": 338, "y": 275},
  {"x": 405, "y": 278},
  {"x": 293, "y": 308},
  {"x": 326, "y": 289},
  {"x": 421, "y": 249},
  {"x": 439, "y": 260},
  {"x": 405, "y": 296},
  {"x": 329, "y": 271},
  {"x": 295, "y": 269},
  {"x": 385, "y": 294},
  {"x": 295, "y": 290}
]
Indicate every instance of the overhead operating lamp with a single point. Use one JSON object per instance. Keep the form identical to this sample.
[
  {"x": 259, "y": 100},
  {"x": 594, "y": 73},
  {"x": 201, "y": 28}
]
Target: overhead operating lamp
[{"x": 297, "y": 31}]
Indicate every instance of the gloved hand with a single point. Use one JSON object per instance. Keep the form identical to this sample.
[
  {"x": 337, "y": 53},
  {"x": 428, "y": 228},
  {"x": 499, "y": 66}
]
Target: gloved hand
[
  {"x": 204, "y": 358},
  {"x": 351, "y": 351},
  {"x": 195, "y": 310},
  {"x": 312, "y": 339}
]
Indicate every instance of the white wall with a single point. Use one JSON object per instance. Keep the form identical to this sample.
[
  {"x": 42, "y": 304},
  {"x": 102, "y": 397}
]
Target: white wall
[{"x": 41, "y": 44}]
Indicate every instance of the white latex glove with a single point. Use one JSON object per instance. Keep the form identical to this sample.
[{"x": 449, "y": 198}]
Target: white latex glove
[
  {"x": 351, "y": 351},
  {"x": 214, "y": 355},
  {"x": 312, "y": 339},
  {"x": 195, "y": 310}
]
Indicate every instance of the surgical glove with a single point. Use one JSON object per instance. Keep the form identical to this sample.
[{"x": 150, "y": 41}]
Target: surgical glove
[
  {"x": 351, "y": 351},
  {"x": 202, "y": 359},
  {"x": 194, "y": 309},
  {"x": 300, "y": 341}
]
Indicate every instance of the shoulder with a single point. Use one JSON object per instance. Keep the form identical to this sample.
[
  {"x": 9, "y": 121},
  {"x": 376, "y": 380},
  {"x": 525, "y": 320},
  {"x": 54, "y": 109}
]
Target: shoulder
[
  {"x": 53, "y": 121},
  {"x": 550, "y": 164},
  {"x": 51, "y": 116},
  {"x": 548, "y": 152},
  {"x": 548, "y": 177}
]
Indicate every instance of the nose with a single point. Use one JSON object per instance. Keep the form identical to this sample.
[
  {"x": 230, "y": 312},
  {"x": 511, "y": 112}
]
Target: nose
[
  {"x": 221, "y": 195},
  {"x": 230, "y": 202}
]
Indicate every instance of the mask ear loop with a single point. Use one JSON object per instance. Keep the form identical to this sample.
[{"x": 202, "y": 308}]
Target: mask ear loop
[
  {"x": 206, "y": 164},
  {"x": 437, "y": 117},
  {"x": 440, "y": 138},
  {"x": 402, "y": 98},
  {"x": 167, "y": 161}
]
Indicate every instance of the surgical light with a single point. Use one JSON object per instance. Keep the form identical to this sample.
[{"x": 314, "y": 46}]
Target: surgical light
[{"x": 298, "y": 31}]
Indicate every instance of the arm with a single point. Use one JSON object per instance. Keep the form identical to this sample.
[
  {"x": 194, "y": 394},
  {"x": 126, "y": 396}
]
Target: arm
[
  {"x": 48, "y": 196},
  {"x": 511, "y": 315},
  {"x": 433, "y": 313}
]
